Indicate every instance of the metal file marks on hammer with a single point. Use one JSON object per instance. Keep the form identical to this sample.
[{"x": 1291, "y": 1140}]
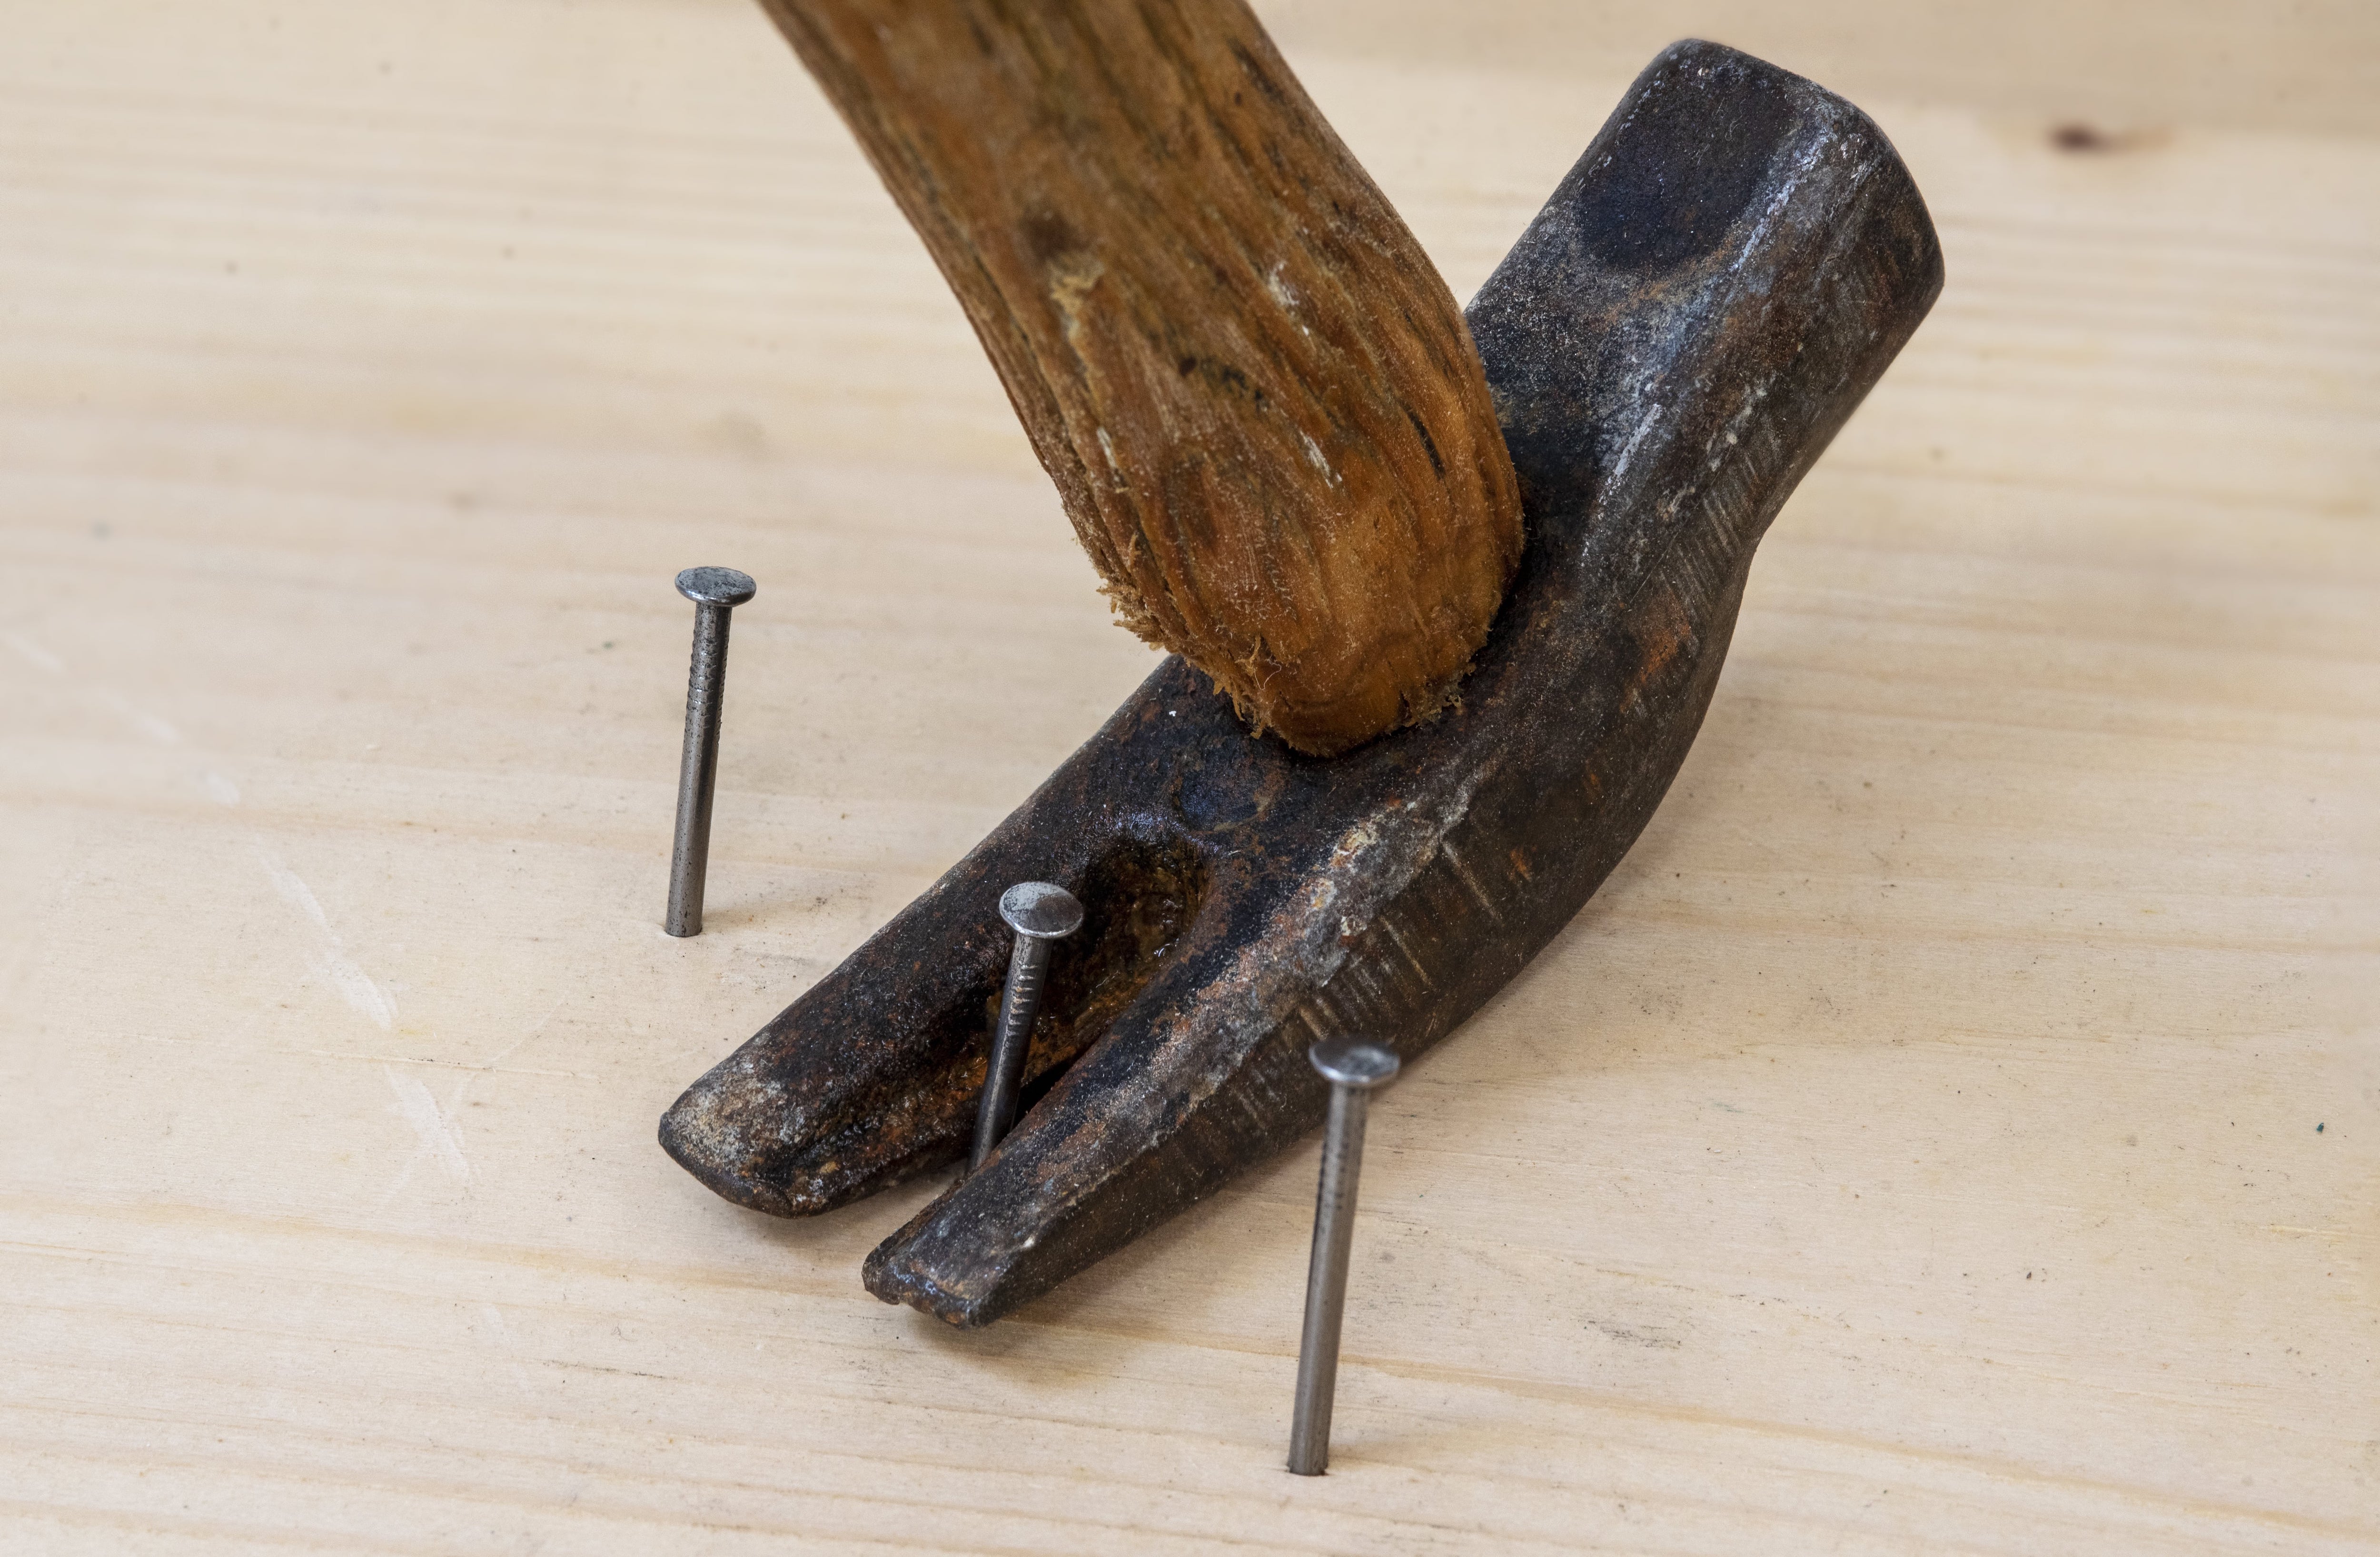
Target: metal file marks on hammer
[
  {"x": 715, "y": 591},
  {"x": 1354, "y": 1070}
]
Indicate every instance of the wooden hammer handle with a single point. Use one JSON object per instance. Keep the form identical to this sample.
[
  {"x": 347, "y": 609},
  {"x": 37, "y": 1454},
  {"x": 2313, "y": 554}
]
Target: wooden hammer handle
[{"x": 1256, "y": 396}]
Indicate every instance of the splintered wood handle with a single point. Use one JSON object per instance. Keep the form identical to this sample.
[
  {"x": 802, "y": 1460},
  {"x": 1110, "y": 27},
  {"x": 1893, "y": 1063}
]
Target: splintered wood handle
[{"x": 1255, "y": 393}]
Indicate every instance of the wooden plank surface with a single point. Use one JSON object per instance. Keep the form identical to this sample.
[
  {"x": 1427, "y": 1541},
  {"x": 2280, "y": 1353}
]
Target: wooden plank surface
[{"x": 1956, "y": 1126}]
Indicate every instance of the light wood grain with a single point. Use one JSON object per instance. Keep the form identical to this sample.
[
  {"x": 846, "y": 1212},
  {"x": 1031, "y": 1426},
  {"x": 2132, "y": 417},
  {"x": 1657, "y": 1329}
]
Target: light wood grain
[{"x": 1914, "y": 1147}]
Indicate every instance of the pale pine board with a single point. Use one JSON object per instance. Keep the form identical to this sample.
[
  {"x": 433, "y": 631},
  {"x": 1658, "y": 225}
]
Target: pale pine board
[{"x": 1913, "y": 1147}]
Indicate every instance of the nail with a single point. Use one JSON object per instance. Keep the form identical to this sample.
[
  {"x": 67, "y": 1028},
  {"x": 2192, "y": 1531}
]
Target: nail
[
  {"x": 1353, "y": 1069},
  {"x": 715, "y": 591},
  {"x": 1040, "y": 914}
]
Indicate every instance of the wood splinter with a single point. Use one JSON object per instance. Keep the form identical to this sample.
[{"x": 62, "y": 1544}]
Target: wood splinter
[{"x": 1256, "y": 396}]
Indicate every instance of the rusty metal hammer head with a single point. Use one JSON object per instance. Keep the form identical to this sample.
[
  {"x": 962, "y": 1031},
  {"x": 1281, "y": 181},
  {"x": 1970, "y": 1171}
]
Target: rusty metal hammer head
[{"x": 1708, "y": 296}]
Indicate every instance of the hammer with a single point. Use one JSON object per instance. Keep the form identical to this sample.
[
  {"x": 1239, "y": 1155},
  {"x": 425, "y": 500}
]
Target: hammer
[{"x": 1351, "y": 802}]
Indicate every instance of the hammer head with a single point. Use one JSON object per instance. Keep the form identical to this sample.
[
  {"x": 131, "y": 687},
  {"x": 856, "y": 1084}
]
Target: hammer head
[{"x": 1708, "y": 297}]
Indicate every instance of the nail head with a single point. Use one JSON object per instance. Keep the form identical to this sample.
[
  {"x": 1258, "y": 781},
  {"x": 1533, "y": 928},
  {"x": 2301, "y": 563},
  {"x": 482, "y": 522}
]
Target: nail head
[
  {"x": 1041, "y": 911},
  {"x": 1353, "y": 1062},
  {"x": 716, "y": 585}
]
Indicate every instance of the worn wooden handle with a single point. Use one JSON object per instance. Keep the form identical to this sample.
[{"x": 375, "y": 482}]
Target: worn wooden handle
[{"x": 1256, "y": 394}]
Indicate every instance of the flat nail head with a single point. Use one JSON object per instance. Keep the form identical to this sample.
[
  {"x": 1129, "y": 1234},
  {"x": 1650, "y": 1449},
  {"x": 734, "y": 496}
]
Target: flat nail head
[
  {"x": 716, "y": 585},
  {"x": 1040, "y": 912},
  {"x": 1352, "y": 1061}
]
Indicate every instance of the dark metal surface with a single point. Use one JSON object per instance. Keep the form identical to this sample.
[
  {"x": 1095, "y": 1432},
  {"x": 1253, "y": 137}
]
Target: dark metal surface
[
  {"x": 1040, "y": 914},
  {"x": 1354, "y": 1070},
  {"x": 715, "y": 591},
  {"x": 1708, "y": 295}
]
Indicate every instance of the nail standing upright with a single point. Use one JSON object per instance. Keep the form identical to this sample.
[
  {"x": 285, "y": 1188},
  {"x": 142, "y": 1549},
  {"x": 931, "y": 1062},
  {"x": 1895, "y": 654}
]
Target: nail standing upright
[
  {"x": 715, "y": 591},
  {"x": 1040, "y": 914},
  {"x": 1354, "y": 1070}
]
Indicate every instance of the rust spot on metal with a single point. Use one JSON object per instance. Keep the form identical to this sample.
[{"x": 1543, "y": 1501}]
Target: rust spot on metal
[{"x": 1662, "y": 629}]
